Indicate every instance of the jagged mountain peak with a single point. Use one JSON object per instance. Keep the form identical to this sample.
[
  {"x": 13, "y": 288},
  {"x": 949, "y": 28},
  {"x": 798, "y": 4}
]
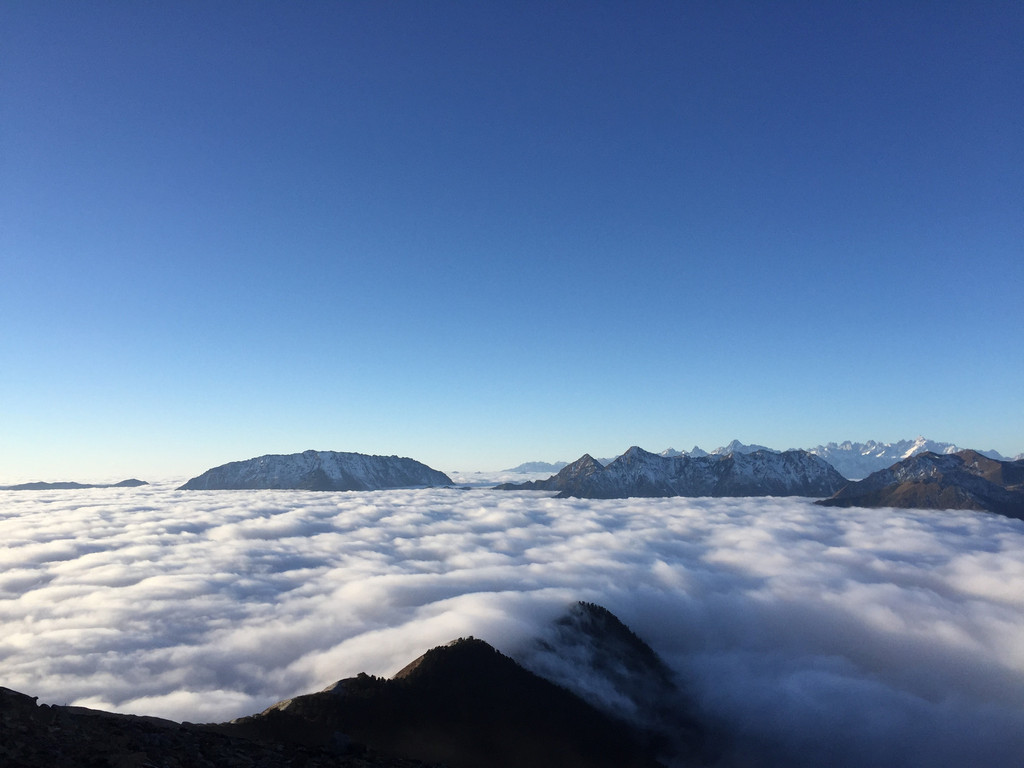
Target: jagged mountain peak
[
  {"x": 458, "y": 656},
  {"x": 640, "y": 473},
  {"x": 636, "y": 452},
  {"x": 591, "y": 633},
  {"x": 592, "y": 653},
  {"x": 858, "y": 460},
  {"x": 585, "y": 466},
  {"x": 735, "y": 446},
  {"x": 851, "y": 459}
]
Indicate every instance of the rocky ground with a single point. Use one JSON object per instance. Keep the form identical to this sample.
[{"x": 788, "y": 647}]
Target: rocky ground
[{"x": 40, "y": 736}]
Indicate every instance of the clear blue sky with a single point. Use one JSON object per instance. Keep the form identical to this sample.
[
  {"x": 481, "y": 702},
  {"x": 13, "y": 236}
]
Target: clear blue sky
[{"x": 483, "y": 233}]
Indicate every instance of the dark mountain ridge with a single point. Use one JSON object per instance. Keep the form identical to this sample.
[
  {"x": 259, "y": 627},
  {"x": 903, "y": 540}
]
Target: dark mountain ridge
[
  {"x": 963, "y": 480},
  {"x": 589, "y": 651},
  {"x": 463, "y": 705},
  {"x": 36, "y": 735}
]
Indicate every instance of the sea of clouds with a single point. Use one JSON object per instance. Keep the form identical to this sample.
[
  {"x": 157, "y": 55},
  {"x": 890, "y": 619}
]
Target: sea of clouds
[{"x": 844, "y": 637}]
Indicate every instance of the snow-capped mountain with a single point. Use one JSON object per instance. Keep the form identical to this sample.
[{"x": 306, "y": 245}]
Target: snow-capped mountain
[
  {"x": 962, "y": 480},
  {"x": 737, "y": 447},
  {"x": 639, "y": 473},
  {"x": 852, "y": 460},
  {"x": 696, "y": 452},
  {"x": 733, "y": 447},
  {"x": 318, "y": 471},
  {"x": 857, "y": 460}
]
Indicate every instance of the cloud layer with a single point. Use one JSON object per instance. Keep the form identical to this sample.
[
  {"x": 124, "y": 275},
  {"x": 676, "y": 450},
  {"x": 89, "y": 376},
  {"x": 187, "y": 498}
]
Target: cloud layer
[{"x": 823, "y": 636}]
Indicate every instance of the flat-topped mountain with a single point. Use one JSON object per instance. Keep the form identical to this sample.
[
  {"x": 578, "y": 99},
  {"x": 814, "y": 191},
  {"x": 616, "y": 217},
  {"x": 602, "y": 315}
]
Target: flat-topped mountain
[
  {"x": 319, "y": 471},
  {"x": 964, "y": 480},
  {"x": 639, "y": 473}
]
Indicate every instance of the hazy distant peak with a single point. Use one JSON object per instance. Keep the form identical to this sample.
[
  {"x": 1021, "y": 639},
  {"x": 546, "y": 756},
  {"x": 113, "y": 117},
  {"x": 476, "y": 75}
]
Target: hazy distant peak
[
  {"x": 71, "y": 485},
  {"x": 737, "y": 447},
  {"x": 734, "y": 446},
  {"x": 538, "y": 466}
]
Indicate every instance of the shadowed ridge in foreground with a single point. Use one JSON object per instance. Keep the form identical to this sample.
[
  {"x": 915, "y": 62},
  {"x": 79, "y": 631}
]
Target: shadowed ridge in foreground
[
  {"x": 465, "y": 705},
  {"x": 42, "y": 736},
  {"x": 592, "y": 653}
]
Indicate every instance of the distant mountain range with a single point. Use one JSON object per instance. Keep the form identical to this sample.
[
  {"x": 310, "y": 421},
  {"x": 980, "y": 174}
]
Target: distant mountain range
[
  {"x": 70, "y": 486},
  {"x": 639, "y": 473},
  {"x": 464, "y": 705},
  {"x": 319, "y": 471},
  {"x": 537, "y": 466},
  {"x": 858, "y": 460},
  {"x": 962, "y": 480},
  {"x": 852, "y": 460},
  {"x": 922, "y": 479},
  {"x": 734, "y": 447}
]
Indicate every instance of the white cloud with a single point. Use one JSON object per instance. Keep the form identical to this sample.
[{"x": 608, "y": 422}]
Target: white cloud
[{"x": 838, "y": 636}]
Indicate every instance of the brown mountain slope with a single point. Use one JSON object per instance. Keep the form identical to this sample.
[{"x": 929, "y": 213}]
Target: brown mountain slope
[{"x": 964, "y": 480}]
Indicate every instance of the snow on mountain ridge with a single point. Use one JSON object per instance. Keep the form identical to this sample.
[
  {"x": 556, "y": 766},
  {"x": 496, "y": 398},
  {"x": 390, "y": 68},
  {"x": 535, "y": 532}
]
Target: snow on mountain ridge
[
  {"x": 637, "y": 473},
  {"x": 737, "y": 447},
  {"x": 857, "y": 460},
  {"x": 319, "y": 471},
  {"x": 851, "y": 459},
  {"x": 734, "y": 446}
]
